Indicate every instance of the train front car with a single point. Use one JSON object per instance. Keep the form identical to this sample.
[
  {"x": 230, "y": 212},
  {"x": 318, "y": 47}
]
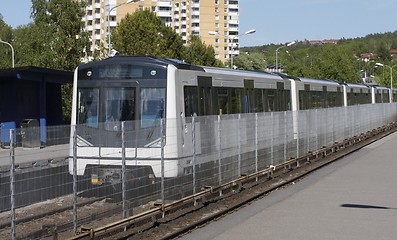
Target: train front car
[{"x": 123, "y": 96}]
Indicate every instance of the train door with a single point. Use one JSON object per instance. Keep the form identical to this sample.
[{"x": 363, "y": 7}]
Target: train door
[
  {"x": 248, "y": 96},
  {"x": 205, "y": 95},
  {"x": 207, "y": 123}
]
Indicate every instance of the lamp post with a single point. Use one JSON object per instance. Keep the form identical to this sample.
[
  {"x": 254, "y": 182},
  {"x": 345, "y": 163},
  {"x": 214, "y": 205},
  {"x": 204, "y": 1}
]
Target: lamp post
[
  {"x": 12, "y": 52},
  {"x": 232, "y": 39},
  {"x": 111, "y": 9},
  {"x": 391, "y": 77},
  {"x": 288, "y": 44}
]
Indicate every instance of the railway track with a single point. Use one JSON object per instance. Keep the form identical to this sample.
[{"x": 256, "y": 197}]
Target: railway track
[{"x": 46, "y": 219}]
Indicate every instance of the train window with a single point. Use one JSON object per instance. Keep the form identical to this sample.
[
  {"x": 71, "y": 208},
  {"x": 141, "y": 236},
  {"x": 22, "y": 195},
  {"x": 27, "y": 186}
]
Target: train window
[
  {"x": 287, "y": 96},
  {"x": 119, "y": 106},
  {"x": 385, "y": 96},
  {"x": 191, "y": 101},
  {"x": 270, "y": 96},
  {"x": 236, "y": 100},
  {"x": 152, "y": 106},
  {"x": 258, "y": 101},
  {"x": 223, "y": 101},
  {"x": 88, "y": 106},
  {"x": 205, "y": 101},
  {"x": 317, "y": 99}
]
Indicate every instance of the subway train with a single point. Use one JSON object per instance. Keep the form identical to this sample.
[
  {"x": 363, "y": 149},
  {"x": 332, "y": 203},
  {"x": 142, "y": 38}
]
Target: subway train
[{"x": 152, "y": 101}]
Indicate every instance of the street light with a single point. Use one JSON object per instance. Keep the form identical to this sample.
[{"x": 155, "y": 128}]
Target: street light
[
  {"x": 232, "y": 40},
  {"x": 12, "y": 51},
  {"x": 111, "y": 9},
  {"x": 391, "y": 78},
  {"x": 288, "y": 44}
]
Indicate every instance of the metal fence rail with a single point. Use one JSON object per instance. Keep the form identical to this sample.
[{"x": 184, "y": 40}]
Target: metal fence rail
[{"x": 210, "y": 151}]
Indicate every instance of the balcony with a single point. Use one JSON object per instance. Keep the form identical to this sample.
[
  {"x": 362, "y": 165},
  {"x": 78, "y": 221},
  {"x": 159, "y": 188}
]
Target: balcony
[
  {"x": 196, "y": 29},
  {"x": 165, "y": 4},
  {"x": 164, "y": 14}
]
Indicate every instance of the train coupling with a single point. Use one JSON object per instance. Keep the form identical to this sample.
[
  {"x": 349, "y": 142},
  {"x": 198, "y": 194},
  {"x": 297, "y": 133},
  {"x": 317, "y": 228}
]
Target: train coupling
[{"x": 95, "y": 180}]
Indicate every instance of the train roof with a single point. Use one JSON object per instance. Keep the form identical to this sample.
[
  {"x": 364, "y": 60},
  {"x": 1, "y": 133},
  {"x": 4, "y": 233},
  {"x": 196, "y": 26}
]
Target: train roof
[
  {"x": 245, "y": 73},
  {"x": 146, "y": 60},
  {"x": 320, "y": 81},
  {"x": 379, "y": 87},
  {"x": 286, "y": 76},
  {"x": 356, "y": 85}
]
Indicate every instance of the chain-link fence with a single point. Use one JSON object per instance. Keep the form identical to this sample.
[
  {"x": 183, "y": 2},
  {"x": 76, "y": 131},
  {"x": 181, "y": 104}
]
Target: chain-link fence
[{"x": 127, "y": 165}]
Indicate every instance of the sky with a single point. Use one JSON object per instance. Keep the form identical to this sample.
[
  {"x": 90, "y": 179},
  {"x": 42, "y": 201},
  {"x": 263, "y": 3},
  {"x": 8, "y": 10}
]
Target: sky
[{"x": 282, "y": 21}]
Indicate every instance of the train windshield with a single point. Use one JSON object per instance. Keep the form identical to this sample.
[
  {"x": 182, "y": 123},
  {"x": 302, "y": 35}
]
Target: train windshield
[
  {"x": 119, "y": 105},
  {"x": 152, "y": 106},
  {"x": 88, "y": 109}
]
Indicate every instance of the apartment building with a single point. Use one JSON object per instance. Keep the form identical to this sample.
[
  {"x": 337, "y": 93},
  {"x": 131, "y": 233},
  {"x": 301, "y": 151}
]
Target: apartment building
[{"x": 215, "y": 21}]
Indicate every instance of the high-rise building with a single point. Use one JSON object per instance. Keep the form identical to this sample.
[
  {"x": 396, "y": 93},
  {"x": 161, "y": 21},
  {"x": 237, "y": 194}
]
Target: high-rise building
[{"x": 215, "y": 21}]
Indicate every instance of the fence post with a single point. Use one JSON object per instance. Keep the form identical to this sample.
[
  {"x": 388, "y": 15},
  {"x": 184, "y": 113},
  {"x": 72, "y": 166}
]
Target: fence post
[
  {"x": 239, "y": 144},
  {"x": 272, "y": 140},
  {"x": 12, "y": 184},
  {"x": 74, "y": 179},
  {"x": 162, "y": 163},
  {"x": 219, "y": 153},
  {"x": 256, "y": 143},
  {"x": 194, "y": 155},
  {"x": 123, "y": 170},
  {"x": 285, "y": 135}
]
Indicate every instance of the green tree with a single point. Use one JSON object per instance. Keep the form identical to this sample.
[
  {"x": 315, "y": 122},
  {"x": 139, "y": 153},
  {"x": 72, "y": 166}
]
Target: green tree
[
  {"x": 250, "y": 61},
  {"x": 199, "y": 53},
  {"x": 54, "y": 40},
  {"x": 143, "y": 33},
  {"x": 5, "y": 50},
  {"x": 61, "y": 36}
]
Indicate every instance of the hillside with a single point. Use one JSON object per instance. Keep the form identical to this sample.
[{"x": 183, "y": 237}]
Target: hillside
[{"x": 345, "y": 60}]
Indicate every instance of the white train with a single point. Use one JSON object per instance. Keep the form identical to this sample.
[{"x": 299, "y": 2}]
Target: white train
[{"x": 141, "y": 90}]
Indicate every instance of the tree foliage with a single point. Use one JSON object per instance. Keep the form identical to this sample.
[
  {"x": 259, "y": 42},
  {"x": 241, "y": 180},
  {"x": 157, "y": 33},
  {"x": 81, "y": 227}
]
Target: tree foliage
[
  {"x": 199, "y": 53},
  {"x": 340, "y": 62},
  {"x": 5, "y": 50},
  {"x": 143, "y": 33},
  {"x": 61, "y": 36}
]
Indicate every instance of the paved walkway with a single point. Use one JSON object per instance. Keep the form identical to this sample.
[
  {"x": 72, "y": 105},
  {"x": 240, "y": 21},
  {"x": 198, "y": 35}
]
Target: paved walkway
[
  {"x": 26, "y": 156},
  {"x": 354, "y": 198}
]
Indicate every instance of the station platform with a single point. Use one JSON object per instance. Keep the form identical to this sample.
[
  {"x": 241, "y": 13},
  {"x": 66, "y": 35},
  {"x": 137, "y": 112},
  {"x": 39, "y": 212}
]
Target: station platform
[
  {"x": 354, "y": 198},
  {"x": 25, "y": 157}
]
